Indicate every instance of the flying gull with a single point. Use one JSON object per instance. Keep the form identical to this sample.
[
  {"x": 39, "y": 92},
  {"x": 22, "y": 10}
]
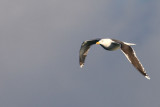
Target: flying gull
[{"x": 111, "y": 45}]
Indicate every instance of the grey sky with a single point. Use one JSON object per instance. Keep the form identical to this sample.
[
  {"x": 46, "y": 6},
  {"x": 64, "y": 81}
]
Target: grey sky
[{"x": 40, "y": 41}]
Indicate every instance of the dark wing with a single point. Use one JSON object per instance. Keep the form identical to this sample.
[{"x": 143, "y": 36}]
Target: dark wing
[
  {"x": 131, "y": 56},
  {"x": 84, "y": 50}
]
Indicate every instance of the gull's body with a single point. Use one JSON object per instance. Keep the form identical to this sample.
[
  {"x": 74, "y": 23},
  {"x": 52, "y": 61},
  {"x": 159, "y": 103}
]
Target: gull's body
[{"x": 111, "y": 45}]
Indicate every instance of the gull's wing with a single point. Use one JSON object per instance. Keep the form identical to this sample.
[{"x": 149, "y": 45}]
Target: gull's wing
[
  {"x": 131, "y": 56},
  {"x": 84, "y": 50}
]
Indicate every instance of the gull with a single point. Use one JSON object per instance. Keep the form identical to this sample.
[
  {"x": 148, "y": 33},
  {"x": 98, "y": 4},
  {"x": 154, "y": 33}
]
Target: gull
[{"x": 111, "y": 45}]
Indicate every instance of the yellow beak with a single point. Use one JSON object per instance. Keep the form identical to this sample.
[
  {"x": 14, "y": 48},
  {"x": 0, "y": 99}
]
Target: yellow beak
[{"x": 97, "y": 43}]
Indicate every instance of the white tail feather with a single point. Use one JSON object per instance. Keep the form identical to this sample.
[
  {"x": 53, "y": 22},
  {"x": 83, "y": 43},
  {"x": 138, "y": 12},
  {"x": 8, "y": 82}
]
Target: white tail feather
[{"x": 129, "y": 43}]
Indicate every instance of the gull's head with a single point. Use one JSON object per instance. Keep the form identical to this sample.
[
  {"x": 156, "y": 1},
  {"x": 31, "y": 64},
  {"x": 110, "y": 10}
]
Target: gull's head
[
  {"x": 100, "y": 42},
  {"x": 104, "y": 42}
]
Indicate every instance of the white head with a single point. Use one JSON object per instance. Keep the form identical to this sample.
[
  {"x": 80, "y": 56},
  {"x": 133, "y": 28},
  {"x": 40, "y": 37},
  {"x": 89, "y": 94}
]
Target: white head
[{"x": 105, "y": 42}]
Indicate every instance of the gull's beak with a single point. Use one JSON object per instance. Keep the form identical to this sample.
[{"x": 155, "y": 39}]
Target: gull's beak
[{"x": 97, "y": 43}]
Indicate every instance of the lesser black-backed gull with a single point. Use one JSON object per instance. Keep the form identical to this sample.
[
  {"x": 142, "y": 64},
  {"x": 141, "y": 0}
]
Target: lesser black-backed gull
[{"x": 111, "y": 45}]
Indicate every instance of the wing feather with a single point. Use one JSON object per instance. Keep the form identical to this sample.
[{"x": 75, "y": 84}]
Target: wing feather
[
  {"x": 84, "y": 50},
  {"x": 131, "y": 56}
]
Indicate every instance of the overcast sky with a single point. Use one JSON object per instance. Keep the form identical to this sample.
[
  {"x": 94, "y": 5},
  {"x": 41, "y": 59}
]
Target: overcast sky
[{"x": 39, "y": 53}]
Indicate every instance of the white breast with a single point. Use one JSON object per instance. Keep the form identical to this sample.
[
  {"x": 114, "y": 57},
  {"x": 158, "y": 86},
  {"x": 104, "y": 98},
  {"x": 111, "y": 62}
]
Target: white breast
[{"x": 106, "y": 42}]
